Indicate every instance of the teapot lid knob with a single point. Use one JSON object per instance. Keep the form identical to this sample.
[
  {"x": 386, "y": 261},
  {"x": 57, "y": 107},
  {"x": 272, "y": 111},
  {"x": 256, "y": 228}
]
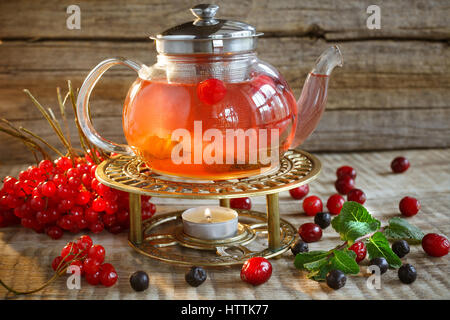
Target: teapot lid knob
[{"x": 205, "y": 11}]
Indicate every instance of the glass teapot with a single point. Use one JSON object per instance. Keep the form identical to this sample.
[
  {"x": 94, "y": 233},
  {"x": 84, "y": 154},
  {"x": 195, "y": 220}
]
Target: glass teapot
[{"x": 209, "y": 108}]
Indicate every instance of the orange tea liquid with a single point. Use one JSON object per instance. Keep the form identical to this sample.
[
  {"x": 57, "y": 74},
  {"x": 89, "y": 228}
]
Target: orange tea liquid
[{"x": 153, "y": 110}]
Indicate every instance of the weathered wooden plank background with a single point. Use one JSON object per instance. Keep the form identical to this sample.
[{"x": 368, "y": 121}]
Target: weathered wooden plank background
[{"x": 392, "y": 93}]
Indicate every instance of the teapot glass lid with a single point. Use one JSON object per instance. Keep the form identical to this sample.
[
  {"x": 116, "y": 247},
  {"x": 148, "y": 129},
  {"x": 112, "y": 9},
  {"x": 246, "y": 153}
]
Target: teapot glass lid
[{"x": 207, "y": 34}]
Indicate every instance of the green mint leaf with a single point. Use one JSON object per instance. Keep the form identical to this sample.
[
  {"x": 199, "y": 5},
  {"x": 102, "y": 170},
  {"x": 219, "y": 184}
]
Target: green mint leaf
[
  {"x": 308, "y": 257},
  {"x": 400, "y": 229},
  {"x": 378, "y": 246},
  {"x": 321, "y": 274},
  {"x": 352, "y": 211},
  {"x": 344, "y": 260},
  {"x": 317, "y": 264},
  {"x": 352, "y": 230}
]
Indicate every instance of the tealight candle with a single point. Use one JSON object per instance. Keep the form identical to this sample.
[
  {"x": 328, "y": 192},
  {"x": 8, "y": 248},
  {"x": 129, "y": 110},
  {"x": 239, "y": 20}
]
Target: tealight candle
[{"x": 210, "y": 223}]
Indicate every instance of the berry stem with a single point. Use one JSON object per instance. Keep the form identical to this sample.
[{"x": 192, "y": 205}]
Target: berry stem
[
  {"x": 362, "y": 238},
  {"x": 60, "y": 270}
]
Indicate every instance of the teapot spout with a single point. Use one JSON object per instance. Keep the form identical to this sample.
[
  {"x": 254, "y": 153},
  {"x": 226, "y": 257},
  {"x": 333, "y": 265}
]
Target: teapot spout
[{"x": 312, "y": 101}]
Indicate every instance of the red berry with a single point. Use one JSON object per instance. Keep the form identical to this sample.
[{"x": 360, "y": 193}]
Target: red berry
[
  {"x": 346, "y": 171},
  {"x": 356, "y": 195},
  {"x": 344, "y": 184},
  {"x": 99, "y": 204},
  {"x": 97, "y": 227},
  {"x": 91, "y": 215},
  {"x": 409, "y": 206},
  {"x": 46, "y": 165},
  {"x": 56, "y": 262},
  {"x": 55, "y": 232},
  {"x": 108, "y": 277},
  {"x": 111, "y": 207},
  {"x": 310, "y": 232},
  {"x": 435, "y": 245},
  {"x": 360, "y": 249},
  {"x": 399, "y": 165},
  {"x": 63, "y": 163},
  {"x": 70, "y": 250},
  {"x": 59, "y": 179},
  {"x": 91, "y": 266},
  {"x": 335, "y": 203},
  {"x": 8, "y": 184},
  {"x": 93, "y": 278},
  {"x": 97, "y": 252},
  {"x": 84, "y": 243},
  {"x": 48, "y": 189},
  {"x": 256, "y": 271},
  {"x": 312, "y": 205},
  {"x": 299, "y": 192},
  {"x": 241, "y": 203},
  {"x": 37, "y": 203},
  {"x": 211, "y": 91},
  {"x": 83, "y": 198},
  {"x": 86, "y": 180},
  {"x": 123, "y": 216}
]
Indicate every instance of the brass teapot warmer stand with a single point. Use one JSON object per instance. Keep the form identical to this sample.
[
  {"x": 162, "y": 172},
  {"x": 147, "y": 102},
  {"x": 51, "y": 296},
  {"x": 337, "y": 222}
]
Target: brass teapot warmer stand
[{"x": 162, "y": 237}]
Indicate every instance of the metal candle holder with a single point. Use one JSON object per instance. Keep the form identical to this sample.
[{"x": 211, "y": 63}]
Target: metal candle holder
[{"x": 162, "y": 236}]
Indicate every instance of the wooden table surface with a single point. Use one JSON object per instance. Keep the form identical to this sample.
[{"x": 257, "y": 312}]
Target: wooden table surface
[{"x": 26, "y": 256}]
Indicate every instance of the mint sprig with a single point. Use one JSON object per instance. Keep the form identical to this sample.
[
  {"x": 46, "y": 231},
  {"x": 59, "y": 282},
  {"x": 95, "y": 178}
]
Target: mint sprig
[
  {"x": 355, "y": 224},
  {"x": 400, "y": 229}
]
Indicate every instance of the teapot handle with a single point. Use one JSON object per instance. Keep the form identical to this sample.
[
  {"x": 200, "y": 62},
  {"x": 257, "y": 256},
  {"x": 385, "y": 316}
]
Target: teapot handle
[{"x": 83, "y": 105}]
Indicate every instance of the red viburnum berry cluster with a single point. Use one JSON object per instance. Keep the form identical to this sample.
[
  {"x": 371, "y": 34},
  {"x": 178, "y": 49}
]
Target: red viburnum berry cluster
[
  {"x": 89, "y": 258},
  {"x": 64, "y": 195}
]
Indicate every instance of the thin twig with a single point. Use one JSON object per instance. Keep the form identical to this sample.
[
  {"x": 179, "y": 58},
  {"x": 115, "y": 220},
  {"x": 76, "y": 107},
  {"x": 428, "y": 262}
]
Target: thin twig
[{"x": 41, "y": 140}]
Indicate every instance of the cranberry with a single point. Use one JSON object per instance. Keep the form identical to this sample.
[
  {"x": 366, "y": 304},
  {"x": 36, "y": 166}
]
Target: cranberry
[
  {"x": 399, "y": 165},
  {"x": 211, "y": 91},
  {"x": 97, "y": 252},
  {"x": 409, "y": 206},
  {"x": 70, "y": 250},
  {"x": 84, "y": 243},
  {"x": 108, "y": 278},
  {"x": 299, "y": 192},
  {"x": 435, "y": 245},
  {"x": 344, "y": 184},
  {"x": 241, "y": 203},
  {"x": 310, "y": 232},
  {"x": 91, "y": 266},
  {"x": 346, "y": 171},
  {"x": 335, "y": 203},
  {"x": 360, "y": 249},
  {"x": 312, "y": 205},
  {"x": 356, "y": 195},
  {"x": 256, "y": 270},
  {"x": 93, "y": 278}
]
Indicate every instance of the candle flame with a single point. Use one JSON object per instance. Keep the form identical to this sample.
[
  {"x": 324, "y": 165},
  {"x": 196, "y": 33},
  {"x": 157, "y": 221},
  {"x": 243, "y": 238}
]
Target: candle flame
[{"x": 208, "y": 215}]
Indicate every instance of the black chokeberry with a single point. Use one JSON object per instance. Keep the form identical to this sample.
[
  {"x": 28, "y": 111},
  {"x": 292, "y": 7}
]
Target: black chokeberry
[
  {"x": 336, "y": 279},
  {"x": 139, "y": 281},
  {"x": 400, "y": 248},
  {"x": 407, "y": 273},
  {"x": 381, "y": 263},
  {"x": 299, "y": 246},
  {"x": 323, "y": 219},
  {"x": 195, "y": 276}
]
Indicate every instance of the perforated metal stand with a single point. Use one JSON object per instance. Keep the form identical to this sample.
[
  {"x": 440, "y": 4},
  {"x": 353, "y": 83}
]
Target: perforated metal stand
[{"x": 162, "y": 237}]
